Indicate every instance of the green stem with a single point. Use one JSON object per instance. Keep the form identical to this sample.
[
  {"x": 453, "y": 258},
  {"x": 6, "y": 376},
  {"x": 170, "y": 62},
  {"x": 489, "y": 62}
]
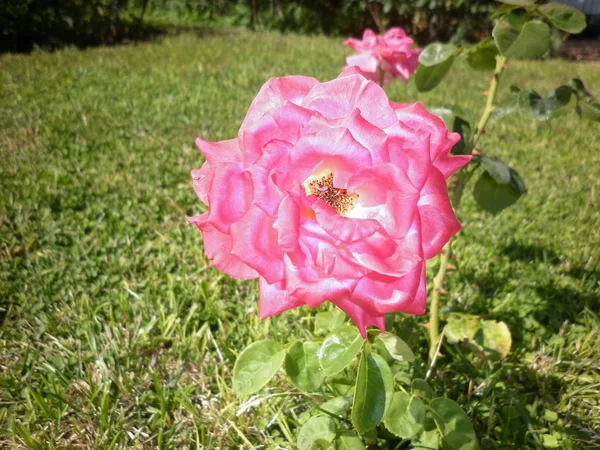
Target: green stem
[
  {"x": 456, "y": 191},
  {"x": 380, "y": 76},
  {"x": 491, "y": 98}
]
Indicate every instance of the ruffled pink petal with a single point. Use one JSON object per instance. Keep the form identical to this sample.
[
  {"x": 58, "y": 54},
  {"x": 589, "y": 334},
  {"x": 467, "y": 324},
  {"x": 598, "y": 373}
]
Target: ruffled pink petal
[
  {"x": 362, "y": 315},
  {"x": 366, "y": 62},
  {"x": 275, "y": 299},
  {"x": 410, "y": 152},
  {"x": 217, "y": 247},
  {"x": 255, "y": 243},
  {"x": 342, "y": 228},
  {"x": 220, "y": 152},
  {"x": 394, "y": 294},
  {"x": 338, "y": 98},
  {"x": 417, "y": 118},
  {"x": 229, "y": 196},
  {"x": 393, "y": 258},
  {"x": 284, "y": 123},
  {"x": 274, "y": 93},
  {"x": 270, "y": 178},
  {"x": 385, "y": 194},
  {"x": 437, "y": 215},
  {"x": 331, "y": 149},
  {"x": 449, "y": 164}
]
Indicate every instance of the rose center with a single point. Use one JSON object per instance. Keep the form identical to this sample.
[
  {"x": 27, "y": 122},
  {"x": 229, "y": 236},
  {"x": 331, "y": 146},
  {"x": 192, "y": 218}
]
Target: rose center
[{"x": 339, "y": 199}]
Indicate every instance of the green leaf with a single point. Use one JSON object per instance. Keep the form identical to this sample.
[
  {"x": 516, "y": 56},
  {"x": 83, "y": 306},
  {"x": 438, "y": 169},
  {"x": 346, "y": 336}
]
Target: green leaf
[
  {"x": 405, "y": 416},
  {"x": 373, "y": 392},
  {"x": 588, "y": 111},
  {"x": 302, "y": 366},
  {"x": 429, "y": 438},
  {"x": 496, "y": 168},
  {"x": 557, "y": 103},
  {"x": 460, "y": 327},
  {"x": 549, "y": 441},
  {"x": 454, "y": 425},
  {"x": 321, "y": 444},
  {"x": 315, "y": 428},
  {"x": 329, "y": 320},
  {"x": 516, "y": 39},
  {"x": 339, "y": 349},
  {"x": 421, "y": 388},
  {"x": 337, "y": 406},
  {"x": 256, "y": 365},
  {"x": 397, "y": 348},
  {"x": 492, "y": 192},
  {"x": 483, "y": 56},
  {"x": 436, "y": 53},
  {"x": 454, "y": 119},
  {"x": 518, "y": 2},
  {"x": 497, "y": 339},
  {"x": 349, "y": 441},
  {"x": 487, "y": 338},
  {"x": 564, "y": 17},
  {"x": 428, "y": 77},
  {"x": 504, "y": 9}
]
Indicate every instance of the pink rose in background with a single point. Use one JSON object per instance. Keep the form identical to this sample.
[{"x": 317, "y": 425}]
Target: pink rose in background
[
  {"x": 330, "y": 192},
  {"x": 384, "y": 58}
]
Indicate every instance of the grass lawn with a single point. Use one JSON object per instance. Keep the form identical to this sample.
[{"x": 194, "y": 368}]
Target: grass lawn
[{"x": 115, "y": 332}]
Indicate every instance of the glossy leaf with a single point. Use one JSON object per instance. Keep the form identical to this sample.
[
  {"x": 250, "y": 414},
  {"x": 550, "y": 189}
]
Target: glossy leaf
[
  {"x": 518, "y": 2},
  {"x": 321, "y": 444},
  {"x": 454, "y": 425},
  {"x": 483, "y": 56},
  {"x": 337, "y": 406},
  {"x": 516, "y": 39},
  {"x": 405, "y": 416},
  {"x": 329, "y": 320},
  {"x": 339, "y": 349},
  {"x": 396, "y": 347},
  {"x": 316, "y": 428},
  {"x": 558, "y": 102},
  {"x": 429, "y": 439},
  {"x": 496, "y": 168},
  {"x": 564, "y": 17},
  {"x": 588, "y": 111},
  {"x": 421, "y": 388},
  {"x": 373, "y": 392},
  {"x": 428, "y": 77},
  {"x": 492, "y": 196},
  {"x": 454, "y": 119},
  {"x": 488, "y": 338},
  {"x": 436, "y": 53},
  {"x": 497, "y": 339},
  {"x": 302, "y": 366},
  {"x": 460, "y": 327},
  {"x": 349, "y": 441},
  {"x": 256, "y": 365}
]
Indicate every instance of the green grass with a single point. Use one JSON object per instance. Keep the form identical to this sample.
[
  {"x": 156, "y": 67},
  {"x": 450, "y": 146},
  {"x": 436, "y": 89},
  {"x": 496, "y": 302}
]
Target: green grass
[{"x": 117, "y": 333}]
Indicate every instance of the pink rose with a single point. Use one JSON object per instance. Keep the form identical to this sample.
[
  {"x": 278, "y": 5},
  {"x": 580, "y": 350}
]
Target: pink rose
[
  {"x": 391, "y": 55},
  {"x": 330, "y": 192}
]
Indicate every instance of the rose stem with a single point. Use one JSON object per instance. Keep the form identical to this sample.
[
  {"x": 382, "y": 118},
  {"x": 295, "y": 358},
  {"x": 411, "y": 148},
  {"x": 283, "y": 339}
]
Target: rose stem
[
  {"x": 456, "y": 190},
  {"x": 380, "y": 76}
]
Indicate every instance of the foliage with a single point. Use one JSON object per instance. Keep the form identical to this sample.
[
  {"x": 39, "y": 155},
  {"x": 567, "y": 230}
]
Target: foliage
[
  {"x": 116, "y": 332},
  {"x": 24, "y": 23}
]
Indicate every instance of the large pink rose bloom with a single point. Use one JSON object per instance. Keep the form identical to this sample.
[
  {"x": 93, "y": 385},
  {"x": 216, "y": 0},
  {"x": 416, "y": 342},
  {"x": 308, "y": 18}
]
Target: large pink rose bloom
[
  {"x": 384, "y": 58},
  {"x": 330, "y": 192}
]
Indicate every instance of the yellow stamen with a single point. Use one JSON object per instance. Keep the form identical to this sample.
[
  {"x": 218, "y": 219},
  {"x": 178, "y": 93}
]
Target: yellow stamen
[{"x": 338, "y": 199}]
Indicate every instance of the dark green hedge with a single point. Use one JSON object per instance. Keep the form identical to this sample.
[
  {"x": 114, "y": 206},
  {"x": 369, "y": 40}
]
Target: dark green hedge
[{"x": 52, "y": 23}]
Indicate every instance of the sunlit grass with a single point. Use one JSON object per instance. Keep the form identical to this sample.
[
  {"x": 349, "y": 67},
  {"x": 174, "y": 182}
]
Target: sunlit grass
[{"x": 116, "y": 332}]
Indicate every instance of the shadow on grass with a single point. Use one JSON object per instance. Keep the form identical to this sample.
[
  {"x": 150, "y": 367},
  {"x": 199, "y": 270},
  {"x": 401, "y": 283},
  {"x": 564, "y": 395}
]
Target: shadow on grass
[{"x": 558, "y": 297}]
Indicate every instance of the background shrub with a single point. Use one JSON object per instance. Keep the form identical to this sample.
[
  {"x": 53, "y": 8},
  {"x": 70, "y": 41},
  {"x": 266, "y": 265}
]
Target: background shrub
[{"x": 51, "y": 23}]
